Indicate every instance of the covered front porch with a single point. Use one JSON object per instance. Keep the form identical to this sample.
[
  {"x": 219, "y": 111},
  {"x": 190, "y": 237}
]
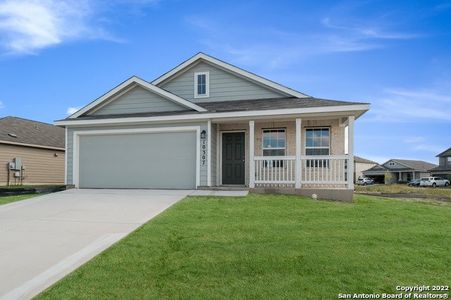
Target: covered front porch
[{"x": 298, "y": 154}]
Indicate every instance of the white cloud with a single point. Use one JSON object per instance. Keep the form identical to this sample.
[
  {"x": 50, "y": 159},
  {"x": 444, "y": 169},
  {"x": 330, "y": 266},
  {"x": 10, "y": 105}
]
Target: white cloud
[
  {"x": 2, "y": 105},
  {"x": 279, "y": 48},
  {"x": 411, "y": 105},
  {"x": 369, "y": 31},
  {"x": 27, "y": 26},
  {"x": 72, "y": 110},
  {"x": 421, "y": 143}
]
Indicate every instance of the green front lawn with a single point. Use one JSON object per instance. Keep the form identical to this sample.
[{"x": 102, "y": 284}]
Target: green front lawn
[
  {"x": 9, "y": 199},
  {"x": 267, "y": 246}
]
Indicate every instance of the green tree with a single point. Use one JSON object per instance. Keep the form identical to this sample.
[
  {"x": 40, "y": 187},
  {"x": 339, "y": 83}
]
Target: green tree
[{"x": 389, "y": 177}]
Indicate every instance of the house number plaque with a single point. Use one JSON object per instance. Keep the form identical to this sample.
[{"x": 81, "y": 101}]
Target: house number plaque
[{"x": 203, "y": 151}]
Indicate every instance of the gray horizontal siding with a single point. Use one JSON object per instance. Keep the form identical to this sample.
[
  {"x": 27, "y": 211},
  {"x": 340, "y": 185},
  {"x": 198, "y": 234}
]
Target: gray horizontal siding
[
  {"x": 224, "y": 86},
  {"x": 70, "y": 135},
  {"x": 138, "y": 100}
]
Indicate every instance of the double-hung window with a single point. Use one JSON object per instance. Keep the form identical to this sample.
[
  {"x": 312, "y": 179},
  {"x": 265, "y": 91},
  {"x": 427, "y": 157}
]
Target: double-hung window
[
  {"x": 274, "y": 144},
  {"x": 317, "y": 142},
  {"x": 201, "y": 84}
]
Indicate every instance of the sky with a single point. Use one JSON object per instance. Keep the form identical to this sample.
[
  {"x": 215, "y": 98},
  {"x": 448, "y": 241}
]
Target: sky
[{"x": 57, "y": 56}]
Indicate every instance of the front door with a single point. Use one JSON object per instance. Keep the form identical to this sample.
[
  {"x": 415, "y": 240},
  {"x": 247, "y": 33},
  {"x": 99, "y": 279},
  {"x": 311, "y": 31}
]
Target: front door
[{"x": 233, "y": 158}]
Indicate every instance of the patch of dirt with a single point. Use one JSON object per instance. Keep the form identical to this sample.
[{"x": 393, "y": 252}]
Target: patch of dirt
[{"x": 407, "y": 196}]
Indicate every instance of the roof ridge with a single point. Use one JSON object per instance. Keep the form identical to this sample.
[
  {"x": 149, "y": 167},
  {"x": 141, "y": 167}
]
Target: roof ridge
[
  {"x": 230, "y": 68},
  {"x": 28, "y": 120}
]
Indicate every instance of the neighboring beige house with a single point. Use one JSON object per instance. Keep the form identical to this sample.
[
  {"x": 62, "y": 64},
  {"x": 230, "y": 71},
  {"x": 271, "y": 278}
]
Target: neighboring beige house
[
  {"x": 207, "y": 124},
  {"x": 444, "y": 165},
  {"x": 360, "y": 165},
  {"x": 402, "y": 170},
  {"x": 31, "y": 152}
]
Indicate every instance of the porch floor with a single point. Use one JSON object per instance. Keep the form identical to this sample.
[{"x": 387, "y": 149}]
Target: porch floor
[{"x": 220, "y": 193}]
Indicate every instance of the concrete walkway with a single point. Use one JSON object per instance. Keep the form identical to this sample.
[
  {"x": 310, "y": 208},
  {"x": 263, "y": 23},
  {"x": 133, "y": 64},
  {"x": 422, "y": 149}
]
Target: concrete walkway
[{"x": 44, "y": 238}]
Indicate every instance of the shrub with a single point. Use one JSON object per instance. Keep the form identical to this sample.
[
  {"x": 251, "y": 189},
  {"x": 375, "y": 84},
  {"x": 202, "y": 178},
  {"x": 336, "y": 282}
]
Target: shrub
[{"x": 389, "y": 178}]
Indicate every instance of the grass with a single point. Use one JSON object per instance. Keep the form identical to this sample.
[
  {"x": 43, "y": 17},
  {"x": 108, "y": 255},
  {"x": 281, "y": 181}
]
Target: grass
[
  {"x": 271, "y": 247},
  {"x": 9, "y": 199},
  {"x": 404, "y": 189}
]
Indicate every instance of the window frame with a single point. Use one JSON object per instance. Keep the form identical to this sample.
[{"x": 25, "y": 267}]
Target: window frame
[
  {"x": 305, "y": 142},
  {"x": 321, "y": 163},
  {"x": 207, "y": 84},
  {"x": 281, "y": 164}
]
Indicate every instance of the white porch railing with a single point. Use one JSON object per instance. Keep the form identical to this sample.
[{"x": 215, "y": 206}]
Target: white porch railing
[
  {"x": 314, "y": 169},
  {"x": 324, "y": 169},
  {"x": 275, "y": 169}
]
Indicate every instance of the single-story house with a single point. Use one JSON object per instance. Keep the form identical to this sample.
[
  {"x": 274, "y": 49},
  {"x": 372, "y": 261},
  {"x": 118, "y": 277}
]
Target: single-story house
[
  {"x": 402, "y": 170},
  {"x": 361, "y": 164},
  {"x": 206, "y": 124},
  {"x": 31, "y": 152},
  {"x": 444, "y": 165}
]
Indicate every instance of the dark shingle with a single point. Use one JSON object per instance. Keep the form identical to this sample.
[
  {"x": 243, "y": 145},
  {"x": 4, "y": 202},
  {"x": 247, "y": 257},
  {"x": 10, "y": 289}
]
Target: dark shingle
[
  {"x": 417, "y": 165},
  {"x": 23, "y": 131},
  {"x": 359, "y": 159},
  {"x": 445, "y": 153},
  {"x": 237, "y": 105},
  {"x": 275, "y": 103}
]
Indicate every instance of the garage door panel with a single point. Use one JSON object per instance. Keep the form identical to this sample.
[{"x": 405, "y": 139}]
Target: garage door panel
[{"x": 145, "y": 160}]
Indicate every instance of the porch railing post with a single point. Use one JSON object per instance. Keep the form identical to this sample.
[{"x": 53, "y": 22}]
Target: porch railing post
[
  {"x": 351, "y": 152},
  {"x": 298, "y": 154},
  {"x": 251, "y": 154}
]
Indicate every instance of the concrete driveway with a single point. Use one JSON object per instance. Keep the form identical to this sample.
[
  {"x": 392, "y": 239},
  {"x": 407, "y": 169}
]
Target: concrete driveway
[{"x": 44, "y": 238}]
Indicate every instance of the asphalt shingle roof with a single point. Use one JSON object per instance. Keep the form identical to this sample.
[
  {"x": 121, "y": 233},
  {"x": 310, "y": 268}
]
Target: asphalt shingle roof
[
  {"x": 447, "y": 152},
  {"x": 274, "y": 103},
  {"x": 441, "y": 168},
  {"x": 363, "y": 160},
  {"x": 238, "y": 105},
  {"x": 416, "y": 164},
  {"x": 23, "y": 131}
]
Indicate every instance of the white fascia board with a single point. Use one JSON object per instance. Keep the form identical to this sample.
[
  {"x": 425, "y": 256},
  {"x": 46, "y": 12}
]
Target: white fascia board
[
  {"x": 221, "y": 115},
  {"x": 32, "y": 145},
  {"x": 143, "y": 84},
  {"x": 231, "y": 68}
]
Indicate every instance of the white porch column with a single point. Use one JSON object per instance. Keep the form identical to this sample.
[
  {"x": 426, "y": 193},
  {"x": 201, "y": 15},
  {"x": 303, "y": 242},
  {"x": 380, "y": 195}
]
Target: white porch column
[
  {"x": 298, "y": 153},
  {"x": 209, "y": 153},
  {"x": 351, "y": 152},
  {"x": 251, "y": 154}
]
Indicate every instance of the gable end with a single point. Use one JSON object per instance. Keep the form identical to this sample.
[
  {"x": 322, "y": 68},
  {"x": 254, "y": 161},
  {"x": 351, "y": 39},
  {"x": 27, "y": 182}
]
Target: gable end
[
  {"x": 136, "y": 100},
  {"x": 223, "y": 85}
]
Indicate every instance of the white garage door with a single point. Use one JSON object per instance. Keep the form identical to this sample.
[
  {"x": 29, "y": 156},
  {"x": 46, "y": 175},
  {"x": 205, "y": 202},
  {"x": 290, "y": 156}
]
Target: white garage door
[{"x": 138, "y": 160}]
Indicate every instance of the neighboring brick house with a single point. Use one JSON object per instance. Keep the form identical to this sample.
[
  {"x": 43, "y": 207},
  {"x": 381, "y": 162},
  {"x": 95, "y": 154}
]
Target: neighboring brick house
[
  {"x": 31, "y": 152},
  {"x": 444, "y": 165},
  {"x": 361, "y": 164}
]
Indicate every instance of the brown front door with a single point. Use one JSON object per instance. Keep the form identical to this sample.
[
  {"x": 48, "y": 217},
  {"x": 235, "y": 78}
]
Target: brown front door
[{"x": 233, "y": 158}]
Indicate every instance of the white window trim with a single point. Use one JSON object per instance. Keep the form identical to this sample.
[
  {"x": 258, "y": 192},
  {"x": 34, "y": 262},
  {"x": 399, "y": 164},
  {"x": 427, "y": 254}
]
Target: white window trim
[
  {"x": 76, "y": 145},
  {"x": 274, "y": 148},
  {"x": 322, "y": 147},
  {"x": 207, "y": 84}
]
